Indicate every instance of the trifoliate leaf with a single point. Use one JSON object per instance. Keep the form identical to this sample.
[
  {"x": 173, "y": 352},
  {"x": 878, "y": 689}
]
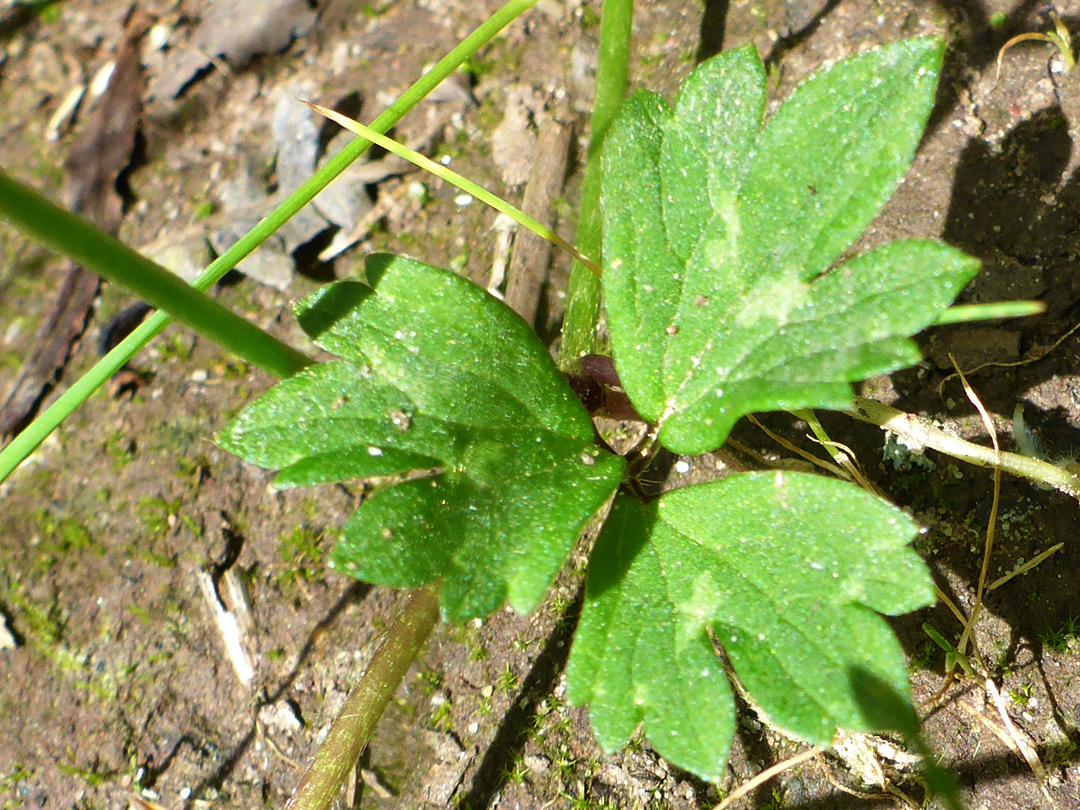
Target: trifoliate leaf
[
  {"x": 718, "y": 234},
  {"x": 787, "y": 572},
  {"x": 437, "y": 380}
]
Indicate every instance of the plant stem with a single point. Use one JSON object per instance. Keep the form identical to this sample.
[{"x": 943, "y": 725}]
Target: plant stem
[
  {"x": 23, "y": 444},
  {"x": 918, "y": 433},
  {"x": 86, "y": 244},
  {"x": 353, "y": 726},
  {"x": 583, "y": 291}
]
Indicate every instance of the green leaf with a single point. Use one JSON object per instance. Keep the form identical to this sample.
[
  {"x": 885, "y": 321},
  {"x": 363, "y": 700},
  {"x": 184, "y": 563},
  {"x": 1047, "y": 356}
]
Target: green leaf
[
  {"x": 787, "y": 572},
  {"x": 719, "y": 233},
  {"x": 442, "y": 384}
]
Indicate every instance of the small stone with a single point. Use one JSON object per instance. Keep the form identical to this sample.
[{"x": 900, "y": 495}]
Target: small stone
[
  {"x": 280, "y": 716},
  {"x": 535, "y": 763},
  {"x": 7, "y": 640}
]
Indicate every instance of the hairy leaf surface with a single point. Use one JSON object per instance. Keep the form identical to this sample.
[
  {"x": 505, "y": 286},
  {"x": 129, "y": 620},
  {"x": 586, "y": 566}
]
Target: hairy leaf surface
[
  {"x": 718, "y": 233},
  {"x": 788, "y": 572},
  {"x": 445, "y": 386}
]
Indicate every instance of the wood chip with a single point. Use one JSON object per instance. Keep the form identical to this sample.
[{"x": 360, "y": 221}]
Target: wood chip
[{"x": 230, "y": 623}]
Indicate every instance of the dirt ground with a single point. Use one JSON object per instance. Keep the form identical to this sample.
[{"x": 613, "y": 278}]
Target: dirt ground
[{"x": 114, "y": 682}]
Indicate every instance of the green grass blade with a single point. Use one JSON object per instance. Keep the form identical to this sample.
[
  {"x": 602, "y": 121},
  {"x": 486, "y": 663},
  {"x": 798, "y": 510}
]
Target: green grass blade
[
  {"x": 86, "y": 244},
  {"x": 23, "y": 444},
  {"x": 964, "y": 313},
  {"x": 456, "y": 180},
  {"x": 394, "y": 113},
  {"x": 583, "y": 291}
]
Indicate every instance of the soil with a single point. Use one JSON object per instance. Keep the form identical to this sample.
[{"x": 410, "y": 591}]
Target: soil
[{"x": 116, "y": 683}]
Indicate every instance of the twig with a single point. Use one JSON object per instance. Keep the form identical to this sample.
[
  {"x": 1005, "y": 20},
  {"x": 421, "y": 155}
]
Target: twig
[
  {"x": 1022, "y": 741},
  {"x": 1034, "y": 356},
  {"x": 265, "y": 735},
  {"x": 454, "y": 179},
  {"x": 1025, "y": 567},
  {"x": 858, "y": 794},
  {"x": 766, "y": 775},
  {"x": 810, "y": 457}
]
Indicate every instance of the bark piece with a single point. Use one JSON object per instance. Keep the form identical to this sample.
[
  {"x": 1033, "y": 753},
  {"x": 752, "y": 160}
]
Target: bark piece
[
  {"x": 98, "y": 156},
  {"x": 529, "y": 263}
]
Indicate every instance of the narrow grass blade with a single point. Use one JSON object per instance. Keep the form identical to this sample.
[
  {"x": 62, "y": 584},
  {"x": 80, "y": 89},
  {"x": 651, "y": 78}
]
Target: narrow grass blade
[
  {"x": 965, "y": 313},
  {"x": 23, "y": 444},
  {"x": 454, "y": 179},
  {"x": 86, "y": 244}
]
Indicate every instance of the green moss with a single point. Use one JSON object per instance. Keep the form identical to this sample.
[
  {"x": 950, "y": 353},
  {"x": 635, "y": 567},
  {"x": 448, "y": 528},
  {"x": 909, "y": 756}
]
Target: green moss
[
  {"x": 18, "y": 773},
  {"x": 140, "y": 613},
  {"x": 92, "y": 778},
  {"x": 120, "y": 449},
  {"x": 10, "y": 360},
  {"x": 203, "y": 209},
  {"x": 44, "y": 625},
  {"x": 515, "y": 772},
  {"x": 1021, "y": 696},
  {"x": 1058, "y": 638},
  {"x": 59, "y": 538},
  {"x": 160, "y": 560},
  {"x": 302, "y": 551},
  {"x": 176, "y": 346},
  {"x": 590, "y": 18},
  {"x": 494, "y": 58},
  {"x": 508, "y": 680},
  {"x": 49, "y": 12},
  {"x": 430, "y": 681},
  {"x": 158, "y": 515},
  {"x": 488, "y": 115},
  {"x": 310, "y": 509},
  {"x": 442, "y": 718},
  {"x": 233, "y": 368},
  {"x": 61, "y": 535}
]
